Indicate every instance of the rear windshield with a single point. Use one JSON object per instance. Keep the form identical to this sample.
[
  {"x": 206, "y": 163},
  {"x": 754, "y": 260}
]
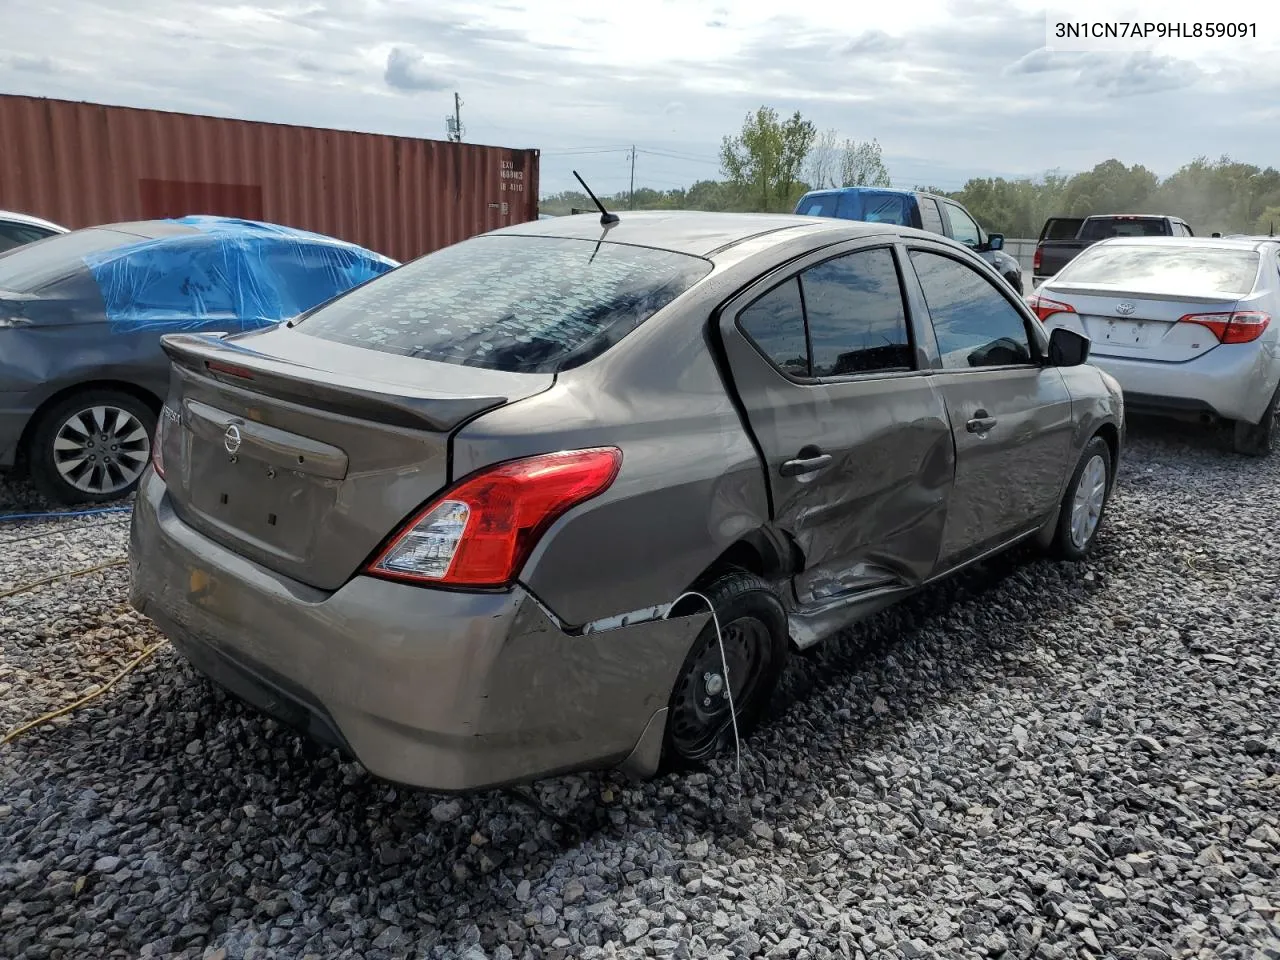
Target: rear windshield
[
  {"x": 1104, "y": 227},
  {"x": 27, "y": 268},
  {"x": 821, "y": 205},
  {"x": 1175, "y": 270},
  {"x": 519, "y": 304},
  {"x": 1061, "y": 228}
]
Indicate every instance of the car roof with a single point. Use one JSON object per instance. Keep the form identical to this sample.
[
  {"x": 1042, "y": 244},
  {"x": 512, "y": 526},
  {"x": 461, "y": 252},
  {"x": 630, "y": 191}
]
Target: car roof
[
  {"x": 833, "y": 190},
  {"x": 14, "y": 217},
  {"x": 694, "y": 232},
  {"x": 1131, "y": 216}
]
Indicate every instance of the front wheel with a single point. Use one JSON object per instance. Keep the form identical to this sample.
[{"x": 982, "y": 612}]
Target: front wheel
[
  {"x": 753, "y": 628},
  {"x": 91, "y": 446},
  {"x": 1259, "y": 439},
  {"x": 1084, "y": 503}
]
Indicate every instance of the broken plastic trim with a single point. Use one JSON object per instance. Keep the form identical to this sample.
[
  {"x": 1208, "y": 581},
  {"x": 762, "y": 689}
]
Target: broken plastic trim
[{"x": 659, "y": 611}]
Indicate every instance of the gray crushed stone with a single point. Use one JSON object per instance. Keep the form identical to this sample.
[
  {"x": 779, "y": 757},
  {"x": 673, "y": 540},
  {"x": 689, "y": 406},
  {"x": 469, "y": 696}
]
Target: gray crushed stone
[{"x": 1032, "y": 760}]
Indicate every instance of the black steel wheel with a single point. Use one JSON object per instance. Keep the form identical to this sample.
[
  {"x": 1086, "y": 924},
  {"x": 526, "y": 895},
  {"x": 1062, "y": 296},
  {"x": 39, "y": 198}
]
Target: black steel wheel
[{"x": 753, "y": 622}]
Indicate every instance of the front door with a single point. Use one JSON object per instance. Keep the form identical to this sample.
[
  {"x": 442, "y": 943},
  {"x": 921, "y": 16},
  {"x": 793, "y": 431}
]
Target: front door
[
  {"x": 1010, "y": 414},
  {"x": 855, "y": 436}
]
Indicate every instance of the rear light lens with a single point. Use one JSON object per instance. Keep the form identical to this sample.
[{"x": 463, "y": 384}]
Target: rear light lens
[
  {"x": 1037, "y": 260},
  {"x": 1044, "y": 307},
  {"x": 1242, "y": 326},
  {"x": 480, "y": 533},
  {"x": 157, "y": 443}
]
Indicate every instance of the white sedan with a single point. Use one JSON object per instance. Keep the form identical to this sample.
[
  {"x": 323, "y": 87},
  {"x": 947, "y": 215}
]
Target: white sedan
[
  {"x": 1188, "y": 325},
  {"x": 17, "y": 229}
]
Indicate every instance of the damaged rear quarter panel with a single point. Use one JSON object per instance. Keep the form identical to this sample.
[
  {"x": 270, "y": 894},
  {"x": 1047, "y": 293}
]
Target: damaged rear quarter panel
[{"x": 691, "y": 483}]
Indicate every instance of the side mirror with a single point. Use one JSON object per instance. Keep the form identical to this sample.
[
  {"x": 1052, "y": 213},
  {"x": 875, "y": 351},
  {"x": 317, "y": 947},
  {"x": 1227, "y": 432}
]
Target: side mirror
[
  {"x": 1067, "y": 348},
  {"x": 995, "y": 241}
]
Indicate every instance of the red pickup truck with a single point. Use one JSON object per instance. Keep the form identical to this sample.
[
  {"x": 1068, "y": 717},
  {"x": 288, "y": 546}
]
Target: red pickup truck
[{"x": 1062, "y": 238}]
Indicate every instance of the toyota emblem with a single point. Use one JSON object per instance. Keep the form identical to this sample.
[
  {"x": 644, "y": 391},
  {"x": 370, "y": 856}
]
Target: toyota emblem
[
  {"x": 1124, "y": 309},
  {"x": 231, "y": 440}
]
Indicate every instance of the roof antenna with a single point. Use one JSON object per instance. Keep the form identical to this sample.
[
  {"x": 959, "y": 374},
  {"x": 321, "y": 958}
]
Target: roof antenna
[{"x": 606, "y": 218}]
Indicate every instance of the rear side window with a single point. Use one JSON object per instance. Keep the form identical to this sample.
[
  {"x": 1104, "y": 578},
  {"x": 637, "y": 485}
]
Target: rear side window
[
  {"x": 1156, "y": 268},
  {"x": 1104, "y": 227},
  {"x": 519, "y": 304},
  {"x": 775, "y": 323},
  {"x": 975, "y": 325},
  {"x": 857, "y": 320},
  {"x": 823, "y": 205},
  {"x": 930, "y": 218}
]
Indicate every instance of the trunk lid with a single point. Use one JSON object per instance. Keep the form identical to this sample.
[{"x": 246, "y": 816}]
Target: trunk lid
[
  {"x": 1140, "y": 326},
  {"x": 303, "y": 454}
]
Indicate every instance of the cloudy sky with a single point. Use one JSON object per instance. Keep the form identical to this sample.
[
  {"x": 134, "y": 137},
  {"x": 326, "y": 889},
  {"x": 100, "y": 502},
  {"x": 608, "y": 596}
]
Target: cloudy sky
[{"x": 950, "y": 89}]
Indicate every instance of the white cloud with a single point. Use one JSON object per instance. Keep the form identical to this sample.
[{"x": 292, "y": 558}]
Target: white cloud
[{"x": 950, "y": 89}]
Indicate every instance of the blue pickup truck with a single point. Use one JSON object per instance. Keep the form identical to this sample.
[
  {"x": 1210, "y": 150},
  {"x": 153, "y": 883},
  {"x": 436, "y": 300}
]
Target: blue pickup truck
[{"x": 913, "y": 208}]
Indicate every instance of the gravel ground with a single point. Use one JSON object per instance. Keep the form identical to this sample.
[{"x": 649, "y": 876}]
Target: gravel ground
[{"x": 1033, "y": 760}]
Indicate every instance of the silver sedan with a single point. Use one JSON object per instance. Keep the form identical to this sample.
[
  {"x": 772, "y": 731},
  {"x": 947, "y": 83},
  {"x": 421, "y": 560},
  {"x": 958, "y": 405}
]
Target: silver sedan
[{"x": 1186, "y": 324}]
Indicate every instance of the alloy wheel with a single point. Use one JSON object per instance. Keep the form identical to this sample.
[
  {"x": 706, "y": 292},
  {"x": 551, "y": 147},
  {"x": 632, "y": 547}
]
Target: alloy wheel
[
  {"x": 101, "y": 450},
  {"x": 1086, "y": 506}
]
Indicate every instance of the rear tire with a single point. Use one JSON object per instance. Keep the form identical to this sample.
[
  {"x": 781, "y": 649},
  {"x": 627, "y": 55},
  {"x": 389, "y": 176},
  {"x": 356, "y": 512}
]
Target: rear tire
[
  {"x": 754, "y": 626},
  {"x": 1015, "y": 281},
  {"x": 1085, "y": 503},
  {"x": 1260, "y": 439},
  {"x": 62, "y": 445}
]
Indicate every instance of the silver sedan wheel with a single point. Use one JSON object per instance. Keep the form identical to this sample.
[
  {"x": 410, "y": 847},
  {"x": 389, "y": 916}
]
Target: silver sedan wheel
[
  {"x": 1086, "y": 506},
  {"x": 101, "y": 450}
]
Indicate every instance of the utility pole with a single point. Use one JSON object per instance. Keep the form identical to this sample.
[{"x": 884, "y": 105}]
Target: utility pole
[
  {"x": 631, "y": 200},
  {"x": 454, "y": 124}
]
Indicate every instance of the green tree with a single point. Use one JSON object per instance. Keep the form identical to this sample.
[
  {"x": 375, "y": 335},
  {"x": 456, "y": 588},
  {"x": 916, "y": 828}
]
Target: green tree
[
  {"x": 1110, "y": 187},
  {"x": 764, "y": 160},
  {"x": 862, "y": 165}
]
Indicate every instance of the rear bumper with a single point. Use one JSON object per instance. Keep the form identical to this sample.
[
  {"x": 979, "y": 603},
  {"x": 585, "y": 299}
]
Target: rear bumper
[
  {"x": 442, "y": 690},
  {"x": 1231, "y": 382}
]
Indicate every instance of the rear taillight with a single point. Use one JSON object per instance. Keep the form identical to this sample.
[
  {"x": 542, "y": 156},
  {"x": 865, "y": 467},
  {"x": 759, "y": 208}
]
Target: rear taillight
[
  {"x": 1242, "y": 326},
  {"x": 1037, "y": 260},
  {"x": 157, "y": 443},
  {"x": 1044, "y": 307},
  {"x": 480, "y": 533}
]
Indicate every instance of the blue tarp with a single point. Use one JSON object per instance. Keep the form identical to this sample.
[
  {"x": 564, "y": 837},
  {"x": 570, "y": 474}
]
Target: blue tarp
[{"x": 229, "y": 275}]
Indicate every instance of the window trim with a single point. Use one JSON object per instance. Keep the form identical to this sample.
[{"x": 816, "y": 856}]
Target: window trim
[
  {"x": 794, "y": 273},
  {"x": 1039, "y": 347}
]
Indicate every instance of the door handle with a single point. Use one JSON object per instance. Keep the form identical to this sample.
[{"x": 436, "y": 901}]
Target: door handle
[
  {"x": 803, "y": 465},
  {"x": 980, "y": 423}
]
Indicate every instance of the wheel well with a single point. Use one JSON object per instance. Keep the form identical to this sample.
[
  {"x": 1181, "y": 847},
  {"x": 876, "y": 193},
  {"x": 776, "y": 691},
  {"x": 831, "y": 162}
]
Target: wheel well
[
  {"x": 1111, "y": 435},
  {"x": 139, "y": 393},
  {"x": 754, "y": 554}
]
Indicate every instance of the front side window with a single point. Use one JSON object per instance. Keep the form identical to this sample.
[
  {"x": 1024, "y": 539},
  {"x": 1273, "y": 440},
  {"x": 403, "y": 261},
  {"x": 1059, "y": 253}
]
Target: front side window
[
  {"x": 857, "y": 320},
  {"x": 963, "y": 227},
  {"x": 974, "y": 324},
  {"x": 512, "y": 303}
]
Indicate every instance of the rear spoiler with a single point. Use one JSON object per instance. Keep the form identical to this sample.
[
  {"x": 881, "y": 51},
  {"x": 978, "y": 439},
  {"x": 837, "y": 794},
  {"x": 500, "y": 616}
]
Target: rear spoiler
[{"x": 395, "y": 405}]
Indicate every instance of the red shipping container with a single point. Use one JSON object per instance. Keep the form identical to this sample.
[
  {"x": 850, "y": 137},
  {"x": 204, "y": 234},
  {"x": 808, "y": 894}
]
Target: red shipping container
[{"x": 83, "y": 164}]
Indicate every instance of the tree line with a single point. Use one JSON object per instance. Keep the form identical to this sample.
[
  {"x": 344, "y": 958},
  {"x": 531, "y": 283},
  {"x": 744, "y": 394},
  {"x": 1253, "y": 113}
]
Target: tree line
[{"x": 773, "y": 161}]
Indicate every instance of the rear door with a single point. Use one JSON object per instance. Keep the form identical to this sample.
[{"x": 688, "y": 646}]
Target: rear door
[
  {"x": 854, "y": 434},
  {"x": 1010, "y": 415}
]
